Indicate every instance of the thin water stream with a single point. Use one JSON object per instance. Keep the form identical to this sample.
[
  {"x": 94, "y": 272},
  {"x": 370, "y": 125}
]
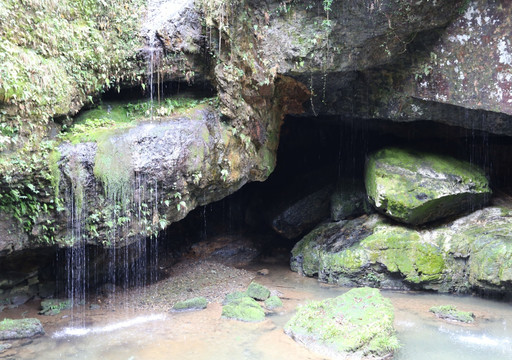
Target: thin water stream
[{"x": 125, "y": 333}]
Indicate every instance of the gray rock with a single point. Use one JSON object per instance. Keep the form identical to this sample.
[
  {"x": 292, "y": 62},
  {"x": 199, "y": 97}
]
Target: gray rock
[
  {"x": 303, "y": 214},
  {"x": 348, "y": 200}
]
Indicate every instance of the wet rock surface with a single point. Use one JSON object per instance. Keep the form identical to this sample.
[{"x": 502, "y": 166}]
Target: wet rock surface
[
  {"x": 416, "y": 188},
  {"x": 349, "y": 200},
  {"x": 11, "y": 329},
  {"x": 167, "y": 168},
  {"x": 470, "y": 254},
  {"x": 303, "y": 214}
]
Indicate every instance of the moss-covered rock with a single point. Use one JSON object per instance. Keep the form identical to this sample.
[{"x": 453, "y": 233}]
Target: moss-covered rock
[
  {"x": 54, "y": 306},
  {"x": 359, "y": 321},
  {"x": 273, "y": 302},
  {"x": 21, "y": 328},
  {"x": 235, "y": 295},
  {"x": 197, "y": 303},
  {"x": 243, "y": 309},
  {"x": 450, "y": 312},
  {"x": 415, "y": 187},
  {"x": 258, "y": 291},
  {"x": 471, "y": 253}
]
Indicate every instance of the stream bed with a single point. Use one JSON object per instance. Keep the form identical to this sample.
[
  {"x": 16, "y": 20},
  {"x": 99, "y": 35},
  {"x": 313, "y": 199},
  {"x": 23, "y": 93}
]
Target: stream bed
[{"x": 125, "y": 332}]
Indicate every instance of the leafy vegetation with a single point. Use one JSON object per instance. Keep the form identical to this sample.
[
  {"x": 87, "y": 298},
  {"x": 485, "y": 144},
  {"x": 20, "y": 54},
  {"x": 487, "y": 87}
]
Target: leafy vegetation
[
  {"x": 55, "y": 54},
  {"x": 26, "y": 183}
]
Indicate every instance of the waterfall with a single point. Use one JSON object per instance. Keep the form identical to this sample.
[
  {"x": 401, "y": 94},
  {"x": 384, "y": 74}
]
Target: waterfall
[{"x": 159, "y": 13}]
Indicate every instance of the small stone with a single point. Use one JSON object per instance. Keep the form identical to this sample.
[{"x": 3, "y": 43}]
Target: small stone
[
  {"x": 54, "y": 306},
  {"x": 263, "y": 272},
  {"x": 243, "y": 309},
  {"x": 273, "y": 302},
  {"x": 258, "y": 292},
  {"x": 234, "y": 296},
  {"x": 4, "y": 347},
  {"x": 197, "y": 303},
  {"x": 450, "y": 312}
]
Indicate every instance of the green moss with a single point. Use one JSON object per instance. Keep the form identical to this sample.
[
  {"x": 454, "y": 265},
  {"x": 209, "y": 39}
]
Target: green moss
[
  {"x": 234, "y": 296},
  {"x": 416, "y": 187},
  {"x": 113, "y": 166},
  {"x": 20, "y": 328},
  {"x": 401, "y": 250},
  {"x": 273, "y": 302},
  {"x": 197, "y": 303},
  {"x": 53, "y": 165},
  {"x": 258, "y": 291},
  {"x": 243, "y": 309},
  {"x": 450, "y": 312},
  {"x": 55, "y": 53},
  {"x": 360, "y": 320}
]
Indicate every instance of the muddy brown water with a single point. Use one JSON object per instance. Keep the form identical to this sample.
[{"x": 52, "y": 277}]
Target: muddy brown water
[{"x": 127, "y": 333}]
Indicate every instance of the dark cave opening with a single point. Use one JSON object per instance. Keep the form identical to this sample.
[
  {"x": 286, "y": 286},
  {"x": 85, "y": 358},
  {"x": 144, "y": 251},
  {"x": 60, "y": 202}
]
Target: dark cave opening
[{"x": 314, "y": 154}]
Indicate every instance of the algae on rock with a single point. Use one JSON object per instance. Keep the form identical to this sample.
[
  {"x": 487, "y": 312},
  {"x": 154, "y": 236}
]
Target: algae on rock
[
  {"x": 243, "y": 309},
  {"x": 472, "y": 253},
  {"x": 197, "y": 303},
  {"x": 415, "y": 187},
  {"x": 357, "y": 322},
  {"x": 450, "y": 312},
  {"x": 20, "y": 328}
]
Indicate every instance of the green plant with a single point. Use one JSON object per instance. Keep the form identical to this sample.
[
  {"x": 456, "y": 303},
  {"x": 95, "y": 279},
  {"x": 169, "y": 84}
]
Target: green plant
[{"x": 224, "y": 174}]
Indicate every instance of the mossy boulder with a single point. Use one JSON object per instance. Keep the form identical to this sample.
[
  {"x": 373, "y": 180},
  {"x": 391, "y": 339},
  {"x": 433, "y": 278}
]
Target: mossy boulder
[
  {"x": 359, "y": 322},
  {"x": 243, "y": 309},
  {"x": 472, "y": 253},
  {"x": 416, "y": 187},
  {"x": 258, "y": 291},
  {"x": 54, "y": 306},
  {"x": 21, "y": 328},
  {"x": 450, "y": 312},
  {"x": 273, "y": 302},
  {"x": 197, "y": 303}
]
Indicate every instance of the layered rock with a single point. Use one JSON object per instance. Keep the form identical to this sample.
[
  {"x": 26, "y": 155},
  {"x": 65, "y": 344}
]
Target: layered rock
[
  {"x": 416, "y": 188},
  {"x": 459, "y": 75},
  {"x": 472, "y": 253}
]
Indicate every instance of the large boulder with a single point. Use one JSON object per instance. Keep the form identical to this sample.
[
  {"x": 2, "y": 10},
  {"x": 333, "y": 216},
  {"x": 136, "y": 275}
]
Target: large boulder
[
  {"x": 301, "y": 215},
  {"x": 355, "y": 325},
  {"x": 472, "y": 253},
  {"x": 123, "y": 179},
  {"x": 415, "y": 187},
  {"x": 348, "y": 200}
]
